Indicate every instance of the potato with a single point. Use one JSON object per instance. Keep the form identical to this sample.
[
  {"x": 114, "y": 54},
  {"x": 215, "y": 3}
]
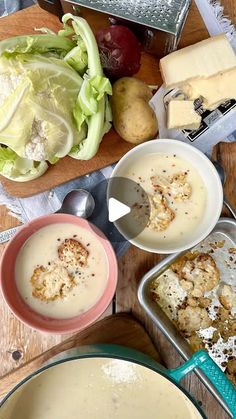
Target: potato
[{"x": 133, "y": 118}]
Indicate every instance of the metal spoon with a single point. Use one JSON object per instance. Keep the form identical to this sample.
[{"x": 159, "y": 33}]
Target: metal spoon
[
  {"x": 77, "y": 202},
  {"x": 222, "y": 175}
]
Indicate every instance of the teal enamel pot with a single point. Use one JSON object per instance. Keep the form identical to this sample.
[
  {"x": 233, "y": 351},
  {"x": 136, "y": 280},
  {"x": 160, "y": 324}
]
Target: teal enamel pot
[{"x": 199, "y": 359}]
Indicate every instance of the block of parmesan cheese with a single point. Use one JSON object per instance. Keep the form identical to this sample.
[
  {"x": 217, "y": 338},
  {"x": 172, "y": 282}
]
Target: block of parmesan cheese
[
  {"x": 182, "y": 115},
  {"x": 204, "y": 59},
  {"x": 214, "y": 90}
]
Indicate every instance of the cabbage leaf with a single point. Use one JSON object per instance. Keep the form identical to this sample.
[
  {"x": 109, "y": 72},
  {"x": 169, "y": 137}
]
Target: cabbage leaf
[
  {"x": 91, "y": 102},
  {"x": 53, "y": 99},
  {"x": 19, "y": 169}
]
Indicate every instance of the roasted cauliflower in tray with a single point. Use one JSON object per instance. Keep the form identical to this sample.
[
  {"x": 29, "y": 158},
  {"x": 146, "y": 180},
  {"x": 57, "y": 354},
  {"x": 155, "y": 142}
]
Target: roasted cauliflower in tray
[
  {"x": 191, "y": 319},
  {"x": 204, "y": 311},
  {"x": 200, "y": 273},
  {"x": 227, "y": 296}
]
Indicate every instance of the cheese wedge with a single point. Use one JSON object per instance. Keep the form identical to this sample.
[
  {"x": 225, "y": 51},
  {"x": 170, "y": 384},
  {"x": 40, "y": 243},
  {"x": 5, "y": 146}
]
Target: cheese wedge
[
  {"x": 214, "y": 90},
  {"x": 181, "y": 115},
  {"x": 202, "y": 60}
]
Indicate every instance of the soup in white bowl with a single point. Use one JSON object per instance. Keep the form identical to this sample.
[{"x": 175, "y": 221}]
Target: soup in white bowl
[{"x": 185, "y": 195}]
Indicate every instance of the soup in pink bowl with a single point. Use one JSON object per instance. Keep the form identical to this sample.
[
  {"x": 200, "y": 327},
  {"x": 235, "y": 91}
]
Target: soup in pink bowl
[{"x": 58, "y": 273}]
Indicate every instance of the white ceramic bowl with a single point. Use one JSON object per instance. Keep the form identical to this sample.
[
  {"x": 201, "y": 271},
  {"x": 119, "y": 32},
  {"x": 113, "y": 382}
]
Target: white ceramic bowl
[{"x": 209, "y": 175}]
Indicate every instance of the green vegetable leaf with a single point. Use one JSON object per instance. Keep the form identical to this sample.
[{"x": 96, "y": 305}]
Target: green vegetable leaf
[
  {"x": 91, "y": 92},
  {"x": 78, "y": 58},
  {"x": 6, "y": 156},
  {"x": 47, "y": 109},
  {"x": 36, "y": 115},
  {"x": 108, "y": 117},
  {"x": 19, "y": 169},
  {"x": 36, "y": 44},
  {"x": 53, "y": 160},
  {"x": 45, "y": 30},
  {"x": 91, "y": 99}
]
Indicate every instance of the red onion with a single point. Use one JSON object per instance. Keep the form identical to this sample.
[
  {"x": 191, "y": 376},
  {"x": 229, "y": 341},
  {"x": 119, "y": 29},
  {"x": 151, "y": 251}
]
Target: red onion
[{"x": 120, "y": 51}]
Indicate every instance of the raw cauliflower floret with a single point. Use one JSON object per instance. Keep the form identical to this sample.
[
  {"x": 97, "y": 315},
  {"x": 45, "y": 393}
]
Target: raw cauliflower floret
[
  {"x": 35, "y": 148},
  {"x": 8, "y": 83},
  {"x": 160, "y": 214},
  {"x": 175, "y": 185}
]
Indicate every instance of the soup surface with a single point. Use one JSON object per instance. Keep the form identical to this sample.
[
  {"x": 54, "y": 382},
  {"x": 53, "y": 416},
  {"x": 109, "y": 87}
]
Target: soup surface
[
  {"x": 177, "y": 195},
  {"x": 99, "y": 388},
  {"x": 61, "y": 271}
]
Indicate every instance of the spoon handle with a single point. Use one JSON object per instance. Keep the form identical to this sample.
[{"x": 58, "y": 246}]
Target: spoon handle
[{"x": 230, "y": 208}]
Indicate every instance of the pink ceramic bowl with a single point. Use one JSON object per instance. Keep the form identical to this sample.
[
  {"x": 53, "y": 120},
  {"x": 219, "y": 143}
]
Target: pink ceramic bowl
[{"x": 21, "y": 310}]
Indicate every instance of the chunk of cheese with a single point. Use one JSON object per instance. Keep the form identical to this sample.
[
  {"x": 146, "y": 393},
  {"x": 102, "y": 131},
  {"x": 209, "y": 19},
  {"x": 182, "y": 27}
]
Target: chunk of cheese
[
  {"x": 214, "y": 90},
  {"x": 181, "y": 115},
  {"x": 202, "y": 60}
]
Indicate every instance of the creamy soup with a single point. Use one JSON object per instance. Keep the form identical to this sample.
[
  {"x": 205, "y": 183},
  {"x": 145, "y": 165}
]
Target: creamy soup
[
  {"x": 61, "y": 271},
  {"x": 101, "y": 389},
  {"x": 179, "y": 188}
]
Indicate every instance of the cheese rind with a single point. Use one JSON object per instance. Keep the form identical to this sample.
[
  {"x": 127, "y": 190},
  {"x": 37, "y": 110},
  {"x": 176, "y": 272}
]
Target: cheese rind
[
  {"x": 181, "y": 115},
  {"x": 214, "y": 90},
  {"x": 202, "y": 60}
]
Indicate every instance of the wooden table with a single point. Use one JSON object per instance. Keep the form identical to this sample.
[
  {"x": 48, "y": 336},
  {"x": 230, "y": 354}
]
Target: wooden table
[{"x": 19, "y": 344}]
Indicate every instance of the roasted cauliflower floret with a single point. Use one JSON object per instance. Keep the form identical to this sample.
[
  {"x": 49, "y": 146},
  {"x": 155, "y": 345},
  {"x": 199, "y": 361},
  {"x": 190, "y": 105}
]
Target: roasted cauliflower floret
[
  {"x": 186, "y": 285},
  {"x": 73, "y": 253},
  {"x": 175, "y": 185},
  {"x": 160, "y": 214},
  {"x": 201, "y": 271},
  {"x": 196, "y": 342},
  {"x": 51, "y": 283},
  {"x": 191, "y": 319},
  {"x": 231, "y": 370},
  {"x": 227, "y": 296}
]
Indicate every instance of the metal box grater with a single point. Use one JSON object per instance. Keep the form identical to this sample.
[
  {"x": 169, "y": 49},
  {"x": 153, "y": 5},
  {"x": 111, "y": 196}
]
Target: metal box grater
[{"x": 159, "y": 21}]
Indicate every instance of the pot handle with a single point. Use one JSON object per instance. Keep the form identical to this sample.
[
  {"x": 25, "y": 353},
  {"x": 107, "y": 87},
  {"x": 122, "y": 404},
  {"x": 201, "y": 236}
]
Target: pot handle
[{"x": 202, "y": 360}]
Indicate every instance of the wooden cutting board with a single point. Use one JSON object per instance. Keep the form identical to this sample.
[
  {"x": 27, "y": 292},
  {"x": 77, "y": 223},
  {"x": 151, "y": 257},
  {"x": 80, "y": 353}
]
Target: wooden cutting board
[
  {"x": 112, "y": 147},
  {"x": 120, "y": 329}
]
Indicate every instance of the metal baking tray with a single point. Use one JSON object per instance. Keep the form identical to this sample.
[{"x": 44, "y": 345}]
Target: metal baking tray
[{"x": 225, "y": 229}]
